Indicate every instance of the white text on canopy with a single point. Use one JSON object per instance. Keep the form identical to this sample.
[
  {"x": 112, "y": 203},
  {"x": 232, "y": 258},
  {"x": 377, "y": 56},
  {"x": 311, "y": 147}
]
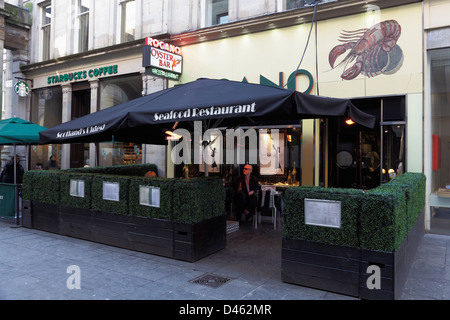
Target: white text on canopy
[
  {"x": 80, "y": 132},
  {"x": 205, "y": 112}
]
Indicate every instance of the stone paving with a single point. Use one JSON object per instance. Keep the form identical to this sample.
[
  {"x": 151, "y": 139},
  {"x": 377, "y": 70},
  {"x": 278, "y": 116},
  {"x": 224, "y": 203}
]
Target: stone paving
[{"x": 34, "y": 266}]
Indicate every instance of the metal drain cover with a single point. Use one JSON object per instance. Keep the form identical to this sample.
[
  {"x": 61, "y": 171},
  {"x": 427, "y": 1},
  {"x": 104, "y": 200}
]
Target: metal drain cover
[{"x": 210, "y": 280}]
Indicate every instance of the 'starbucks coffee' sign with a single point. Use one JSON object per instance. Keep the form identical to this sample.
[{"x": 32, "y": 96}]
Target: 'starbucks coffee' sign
[{"x": 83, "y": 75}]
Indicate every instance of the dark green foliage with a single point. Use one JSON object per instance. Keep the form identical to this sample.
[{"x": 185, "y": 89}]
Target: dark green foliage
[
  {"x": 166, "y": 189},
  {"x": 137, "y": 170},
  {"x": 99, "y": 204},
  {"x": 295, "y": 227},
  {"x": 42, "y": 186},
  {"x": 415, "y": 186},
  {"x": 198, "y": 199},
  {"x": 383, "y": 219},
  {"x": 27, "y": 186},
  {"x": 183, "y": 201},
  {"x": 379, "y": 219}
]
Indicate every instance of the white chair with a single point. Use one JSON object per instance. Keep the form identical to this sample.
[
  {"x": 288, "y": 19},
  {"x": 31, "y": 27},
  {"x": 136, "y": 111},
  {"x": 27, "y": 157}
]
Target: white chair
[
  {"x": 257, "y": 213},
  {"x": 271, "y": 205}
]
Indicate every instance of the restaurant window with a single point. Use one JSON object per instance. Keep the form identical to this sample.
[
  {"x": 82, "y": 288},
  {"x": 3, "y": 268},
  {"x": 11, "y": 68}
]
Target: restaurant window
[
  {"x": 274, "y": 153},
  {"x": 440, "y": 126},
  {"x": 115, "y": 91},
  {"x": 217, "y": 12},
  {"x": 46, "y": 18},
  {"x": 83, "y": 25},
  {"x": 47, "y": 112},
  {"x": 440, "y": 139},
  {"x": 365, "y": 158},
  {"x": 128, "y": 20}
]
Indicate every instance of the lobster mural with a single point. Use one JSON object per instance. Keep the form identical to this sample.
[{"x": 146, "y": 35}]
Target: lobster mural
[{"x": 375, "y": 50}]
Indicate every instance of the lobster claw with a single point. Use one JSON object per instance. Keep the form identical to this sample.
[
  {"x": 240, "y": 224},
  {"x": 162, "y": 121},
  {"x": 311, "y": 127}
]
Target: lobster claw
[
  {"x": 352, "y": 72},
  {"x": 338, "y": 51}
]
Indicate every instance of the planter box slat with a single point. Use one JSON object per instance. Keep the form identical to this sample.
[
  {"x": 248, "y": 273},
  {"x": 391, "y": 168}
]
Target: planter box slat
[
  {"x": 27, "y": 220},
  {"x": 166, "y": 232},
  {"x": 153, "y": 236},
  {"x": 151, "y": 244},
  {"x": 310, "y": 246},
  {"x": 48, "y": 218},
  {"x": 321, "y": 272},
  {"x": 322, "y": 266},
  {"x": 206, "y": 237},
  {"x": 321, "y": 260},
  {"x": 314, "y": 276}
]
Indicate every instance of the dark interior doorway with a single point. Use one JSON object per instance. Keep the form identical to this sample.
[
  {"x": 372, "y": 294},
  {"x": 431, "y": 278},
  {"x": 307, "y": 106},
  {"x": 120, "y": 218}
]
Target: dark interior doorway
[
  {"x": 364, "y": 158},
  {"x": 355, "y": 150},
  {"x": 81, "y": 106}
]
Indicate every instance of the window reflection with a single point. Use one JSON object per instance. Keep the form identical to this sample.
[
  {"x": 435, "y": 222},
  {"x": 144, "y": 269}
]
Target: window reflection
[
  {"x": 393, "y": 152},
  {"x": 216, "y": 12},
  {"x": 83, "y": 25},
  {"x": 113, "y": 92},
  {"x": 128, "y": 21},
  {"x": 440, "y": 101},
  {"x": 46, "y": 112}
]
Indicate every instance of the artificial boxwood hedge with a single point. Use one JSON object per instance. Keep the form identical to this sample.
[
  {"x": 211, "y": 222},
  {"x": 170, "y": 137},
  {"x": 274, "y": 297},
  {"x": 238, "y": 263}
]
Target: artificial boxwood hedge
[
  {"x": 295, "y": 227},
  {"x": 383, "y": 219},
  {"x": 99, "y": 204},
  {"x": 198, "y": 199},
  {"x": 138, "y": 170},
  {"x": 76, "y": 202},
  {"x": 166, "y": 189},
  {"x": 414, "y": 185},
  {"x": 183, "y": 201},
  {"x": 42, "y": 186},
  {"x": 378, "y": 219}
]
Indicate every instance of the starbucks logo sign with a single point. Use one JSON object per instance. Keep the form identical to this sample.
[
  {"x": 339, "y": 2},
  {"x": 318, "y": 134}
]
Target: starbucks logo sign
[{"x": 22, "y": 89}]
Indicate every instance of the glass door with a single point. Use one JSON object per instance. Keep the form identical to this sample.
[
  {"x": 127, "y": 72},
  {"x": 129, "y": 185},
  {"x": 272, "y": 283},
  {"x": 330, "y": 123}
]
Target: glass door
[{"x": 393, "y": 154}]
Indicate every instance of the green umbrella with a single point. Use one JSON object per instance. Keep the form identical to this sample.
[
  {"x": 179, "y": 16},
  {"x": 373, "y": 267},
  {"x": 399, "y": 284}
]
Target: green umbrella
[{"x": 16, "y": 131}]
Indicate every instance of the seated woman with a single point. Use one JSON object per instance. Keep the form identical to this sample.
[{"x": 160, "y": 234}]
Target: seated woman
[{"x": 246, "y": 187}]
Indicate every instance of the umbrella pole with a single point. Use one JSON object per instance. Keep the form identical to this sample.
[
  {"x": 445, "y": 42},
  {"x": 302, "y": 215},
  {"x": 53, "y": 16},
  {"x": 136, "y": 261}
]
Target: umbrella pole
[{"x": 16, "y": 187}]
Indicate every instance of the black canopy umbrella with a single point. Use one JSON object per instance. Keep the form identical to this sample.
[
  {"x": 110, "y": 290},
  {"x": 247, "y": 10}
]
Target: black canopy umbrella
[{"x": 222, "y": 103}]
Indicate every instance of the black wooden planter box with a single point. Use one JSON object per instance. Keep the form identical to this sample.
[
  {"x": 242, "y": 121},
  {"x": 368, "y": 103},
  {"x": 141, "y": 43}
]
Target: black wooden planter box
[
  {"x": 343, "y": 269},
  {"x": 186, "y": 242}
]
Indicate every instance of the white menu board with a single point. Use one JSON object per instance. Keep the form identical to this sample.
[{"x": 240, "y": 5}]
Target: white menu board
[
  {"x": 323, "y": 213},
  {"x": 149, "y": 196},
  {"x": 77, "y": 188},
  {"x": 111, "y": 191}
]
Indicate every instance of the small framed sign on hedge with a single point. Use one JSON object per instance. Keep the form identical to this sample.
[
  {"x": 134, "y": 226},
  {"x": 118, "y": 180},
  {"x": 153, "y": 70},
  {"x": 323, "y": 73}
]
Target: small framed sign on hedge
[
  {"x": 111, "y": 191},
  {"x": 77, "y": 188},
  {"x": 323, "y": 213},
  {"x": 150, "y": 196}
]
